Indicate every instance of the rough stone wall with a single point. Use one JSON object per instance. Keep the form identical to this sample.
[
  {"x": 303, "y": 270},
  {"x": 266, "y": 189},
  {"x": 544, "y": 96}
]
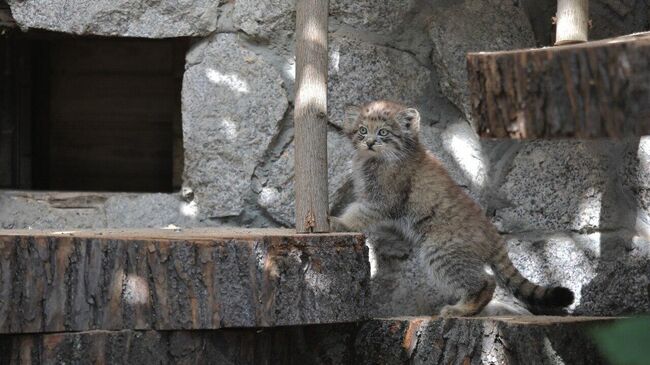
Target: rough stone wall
[{"x": 576, "y": 213}]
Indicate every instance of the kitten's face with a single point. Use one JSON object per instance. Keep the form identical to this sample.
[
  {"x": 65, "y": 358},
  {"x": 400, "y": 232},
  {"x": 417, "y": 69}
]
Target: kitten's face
[{"x": 382, "y": 129}]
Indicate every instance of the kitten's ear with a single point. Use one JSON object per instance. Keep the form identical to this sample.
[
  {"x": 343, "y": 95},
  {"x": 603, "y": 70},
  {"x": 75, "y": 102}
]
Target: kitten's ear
[
  {"x": 409, "y": 119},
  {"x": 351, "y": 116}
]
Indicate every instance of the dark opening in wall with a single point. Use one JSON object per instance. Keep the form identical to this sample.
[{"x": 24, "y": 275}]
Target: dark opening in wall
[{"x": 90, "y": 113}]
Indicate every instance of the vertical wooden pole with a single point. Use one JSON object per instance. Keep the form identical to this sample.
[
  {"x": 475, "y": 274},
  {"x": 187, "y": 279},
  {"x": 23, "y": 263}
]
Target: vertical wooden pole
[
  {"x": 310, "y": 117},
  {"x": 572, "y": 19}
]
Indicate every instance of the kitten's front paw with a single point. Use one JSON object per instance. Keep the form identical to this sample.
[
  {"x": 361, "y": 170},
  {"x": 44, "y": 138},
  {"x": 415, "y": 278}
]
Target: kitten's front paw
[{"x": 336, "y": 225}]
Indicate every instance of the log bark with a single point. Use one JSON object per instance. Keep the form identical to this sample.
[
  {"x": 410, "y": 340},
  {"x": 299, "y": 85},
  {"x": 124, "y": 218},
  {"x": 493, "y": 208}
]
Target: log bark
[
  {"x": 310, "y": 118},
  {"x": 324, "y": 344},
  {"x": 193, "y": 279},
  {"x": 504, "y": 341},
  {"x": 590, "y": 90}
]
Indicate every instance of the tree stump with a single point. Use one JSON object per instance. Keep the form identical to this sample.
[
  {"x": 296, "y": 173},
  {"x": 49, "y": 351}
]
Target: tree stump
[{"x": 589, "y": 90}]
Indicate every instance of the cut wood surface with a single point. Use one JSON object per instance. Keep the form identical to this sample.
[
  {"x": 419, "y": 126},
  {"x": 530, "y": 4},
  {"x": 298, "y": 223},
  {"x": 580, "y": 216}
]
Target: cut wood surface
[
  {"x": 589, "y": 90},
  {"x": 186, "y": 279},
  {"x": 421, "y": 340}
]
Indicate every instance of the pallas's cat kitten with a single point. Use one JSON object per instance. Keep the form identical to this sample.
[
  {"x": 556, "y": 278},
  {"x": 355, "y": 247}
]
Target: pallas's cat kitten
[{"x": 402, "y": 190}]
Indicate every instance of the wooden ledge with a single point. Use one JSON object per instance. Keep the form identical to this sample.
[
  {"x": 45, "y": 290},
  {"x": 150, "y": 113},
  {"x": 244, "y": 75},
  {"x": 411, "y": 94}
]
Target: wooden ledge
[
  {"x": 186, "y": 279},
  {"x": 185, "y": 234},
  {"x": 589, "y": 90}
]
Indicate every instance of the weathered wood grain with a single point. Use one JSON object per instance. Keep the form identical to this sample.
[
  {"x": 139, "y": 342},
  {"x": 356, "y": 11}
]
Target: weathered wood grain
[
  {"x": 502, "y": 341},
  {"x": 310, "y": 117},
  {"x": 193, "y": 279},
  {"x": 590, "y": 90},
  {"x": 323, "y": 344}
]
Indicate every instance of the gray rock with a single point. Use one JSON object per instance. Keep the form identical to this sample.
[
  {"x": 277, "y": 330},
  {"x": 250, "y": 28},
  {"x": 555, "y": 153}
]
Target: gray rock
[
  {"x": 232, "y": 104},
  {"x": 360, "y": 72},
  {"x": 133, "y": 18},
  {"x": 267, "y": 18},
  {"x": 560, "y": 185},
  {"x": 78, "y": 210},
  {"x": 621, "y": 285},
  {"x": 608, "y": 272},
  {"x": 264, "y": 18},
  {"x": 372, "y": 15},
  {"x": 150, "y": 211},
  {"x": 460, "y": 150},
  {"x": 458, "y": 27},
  {"x": 27, "y": 210},
  {"x": 635, "y": 172},
  {"x": 277, "y": 192}
]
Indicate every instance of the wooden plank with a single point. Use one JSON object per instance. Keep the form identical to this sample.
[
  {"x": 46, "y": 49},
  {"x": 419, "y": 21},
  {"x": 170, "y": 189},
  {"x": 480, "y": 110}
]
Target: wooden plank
[
  {"x": 167, "y": 280},
  {"x": 590, "y": 90},
  {"x": 310, "y": 117}
]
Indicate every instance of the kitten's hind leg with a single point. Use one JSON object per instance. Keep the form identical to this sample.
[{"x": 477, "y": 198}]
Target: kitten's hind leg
[{"x": 474, "y": 299}]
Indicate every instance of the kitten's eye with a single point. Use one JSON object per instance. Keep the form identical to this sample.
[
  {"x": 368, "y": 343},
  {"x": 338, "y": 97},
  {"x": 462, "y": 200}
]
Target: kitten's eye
[
  {"x": 383, "y": 132},
  {"x": 363, "y": 130}
]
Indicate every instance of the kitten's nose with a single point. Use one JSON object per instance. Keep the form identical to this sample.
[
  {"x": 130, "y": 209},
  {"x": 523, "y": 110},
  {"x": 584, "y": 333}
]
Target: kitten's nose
[{"x": 370, "y": 143}]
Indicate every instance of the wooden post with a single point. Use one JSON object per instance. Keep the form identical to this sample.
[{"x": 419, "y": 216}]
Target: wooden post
[
  {"x": 572, "y": 19},
  {"x": 310, "y": 118}
]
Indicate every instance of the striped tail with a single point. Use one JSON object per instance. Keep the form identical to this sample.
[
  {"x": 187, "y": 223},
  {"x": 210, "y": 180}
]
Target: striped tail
[{"x": 535, "y": 296}]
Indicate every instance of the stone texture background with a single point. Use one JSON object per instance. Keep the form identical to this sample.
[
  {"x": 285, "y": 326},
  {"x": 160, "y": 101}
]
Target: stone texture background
[{"x": 576, "y": 213}]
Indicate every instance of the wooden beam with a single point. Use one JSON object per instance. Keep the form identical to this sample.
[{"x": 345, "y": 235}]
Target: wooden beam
[
  {"x": 310, "y": 118},
  {"x": 588, "y": 90}
]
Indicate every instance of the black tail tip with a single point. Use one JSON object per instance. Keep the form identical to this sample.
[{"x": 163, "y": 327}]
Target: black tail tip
[{"x": 559, "y": 297}]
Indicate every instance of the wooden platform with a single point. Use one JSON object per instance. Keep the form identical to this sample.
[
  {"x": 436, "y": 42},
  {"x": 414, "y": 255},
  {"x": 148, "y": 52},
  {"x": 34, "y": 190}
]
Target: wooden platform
[
  {"x": 422, "y": 340},
  {"x": 590, "y": 90},
  {"x": 184, "y": 279}
]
